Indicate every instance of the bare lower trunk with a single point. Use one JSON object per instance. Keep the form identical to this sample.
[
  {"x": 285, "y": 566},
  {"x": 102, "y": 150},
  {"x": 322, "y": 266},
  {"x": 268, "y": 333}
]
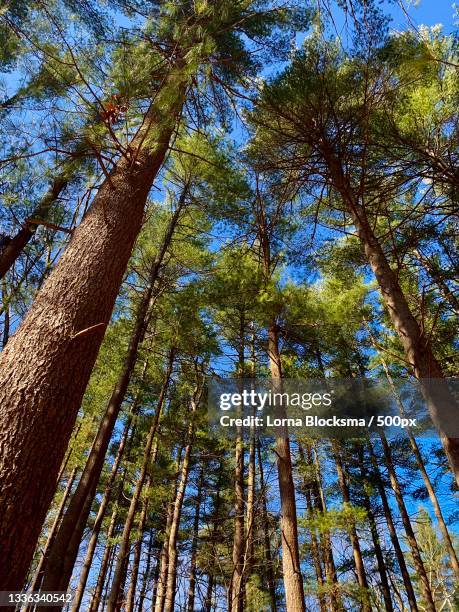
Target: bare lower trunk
[
  {"x": 169, "y": 598},
  {"x": 35, "y": 584},
  {"x": 293, "y": 580},
  {"x": 393, "y": 533},
  {"x": 269, "y": 570},
  {"x": 432, "y": 495},
  {"x": 65, "y": 548},
  {"x": 336, "y": 603},
  {"x": 147, "y": 572},
  {"x": 124, "y": 545},
  {"x": 47, "y": 363},
  {"x": 236, "y": 591},
  {"x": 100, "y": 515},
  {"x": 358, "y": 559},
  {"x": 384, "y": 581},
  {"x": 130, "y": 599},
  {"x": 161, "y": 582},
  {"x": 194, "y": 542},
  {"x": 410, "y": 536},
  {"x": 108, "y": 551},
  {"x": 315, "y": 550}
]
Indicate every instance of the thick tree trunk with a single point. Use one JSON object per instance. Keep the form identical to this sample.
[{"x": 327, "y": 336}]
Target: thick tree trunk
[
  {"x": 47, "y": 363},
  {"x": 65, "y": 549},
  {"x": 124, "y": 545},
  {"x": 17, "y": 244},
  {"x": 410, "y": 536},
  {"x": 35, "y": 584},
  {"x": 393, "y": 532},
  {"x": 194, "y": 541},
  {"x": 269, "y": 570},
  {"x": 293, "y": 580},
  {"x": 358, "y": 559},
  {"x": 443, "y": 408}
]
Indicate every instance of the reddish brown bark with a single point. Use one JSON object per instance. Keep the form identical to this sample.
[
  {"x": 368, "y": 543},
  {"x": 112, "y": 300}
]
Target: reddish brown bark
[
  {"x": 293, "y": 580},
  {"x": 65, "y": 549},
  {"x": 47, "y": 363}
]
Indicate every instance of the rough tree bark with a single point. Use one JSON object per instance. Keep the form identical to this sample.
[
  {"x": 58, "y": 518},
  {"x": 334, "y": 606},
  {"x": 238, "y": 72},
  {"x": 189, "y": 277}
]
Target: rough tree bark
[
  {"x": 65, "y": 548},
  {"x": 40, "y": 394},
  {"x": 293, "y": 580}
]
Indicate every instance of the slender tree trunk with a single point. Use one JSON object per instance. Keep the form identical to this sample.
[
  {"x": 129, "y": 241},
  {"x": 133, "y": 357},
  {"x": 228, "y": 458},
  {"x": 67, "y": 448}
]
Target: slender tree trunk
[
  {"x": 156, "y": 577},
  {"x": 329, "y": 561},
  {"x": 169, "y": 598},
  {"x": 101, "y": 512},
  {"x": 393, "y": 532},
  {"x": 249, "y": 556},
  {"x": 194, "y": 541},
  {"x": 65, "y": 549},
  {"x": 164, "y": 561},
  {"x": 358, "y": 559},
  {"x": 432, "y": 495},
  {"x": 108, "y": 552},
  {"x": 35, "y": 584},
  {"x": 147, "y": 572},
  {"x": 293, "y": 580},
  {"x": 441, "y": 403},
  {"x": 410, "y": 536},
  {"x": 209, "y": 593},
  {"x": 267, "y": 541},
  {"x": 375, "y": 537},
  {"x": 124, "y": 545},
  {"x": 17, "y": 244},
  {"x": 130, "y": 599},
  {"x": 236, "y": 591},
  {"x": 315, "y": 550},
  {"x": 40, "y": 394},
  {"x": 216, "y": 522}
]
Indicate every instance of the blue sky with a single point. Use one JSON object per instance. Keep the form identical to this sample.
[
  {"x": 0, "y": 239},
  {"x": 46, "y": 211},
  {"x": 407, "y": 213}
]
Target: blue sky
[{"x": 428, "y": 12}]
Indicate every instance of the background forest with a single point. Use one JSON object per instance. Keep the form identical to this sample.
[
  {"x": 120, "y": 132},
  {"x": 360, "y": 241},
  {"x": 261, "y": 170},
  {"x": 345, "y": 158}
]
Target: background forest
[{"x": 235, "y": 189}]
